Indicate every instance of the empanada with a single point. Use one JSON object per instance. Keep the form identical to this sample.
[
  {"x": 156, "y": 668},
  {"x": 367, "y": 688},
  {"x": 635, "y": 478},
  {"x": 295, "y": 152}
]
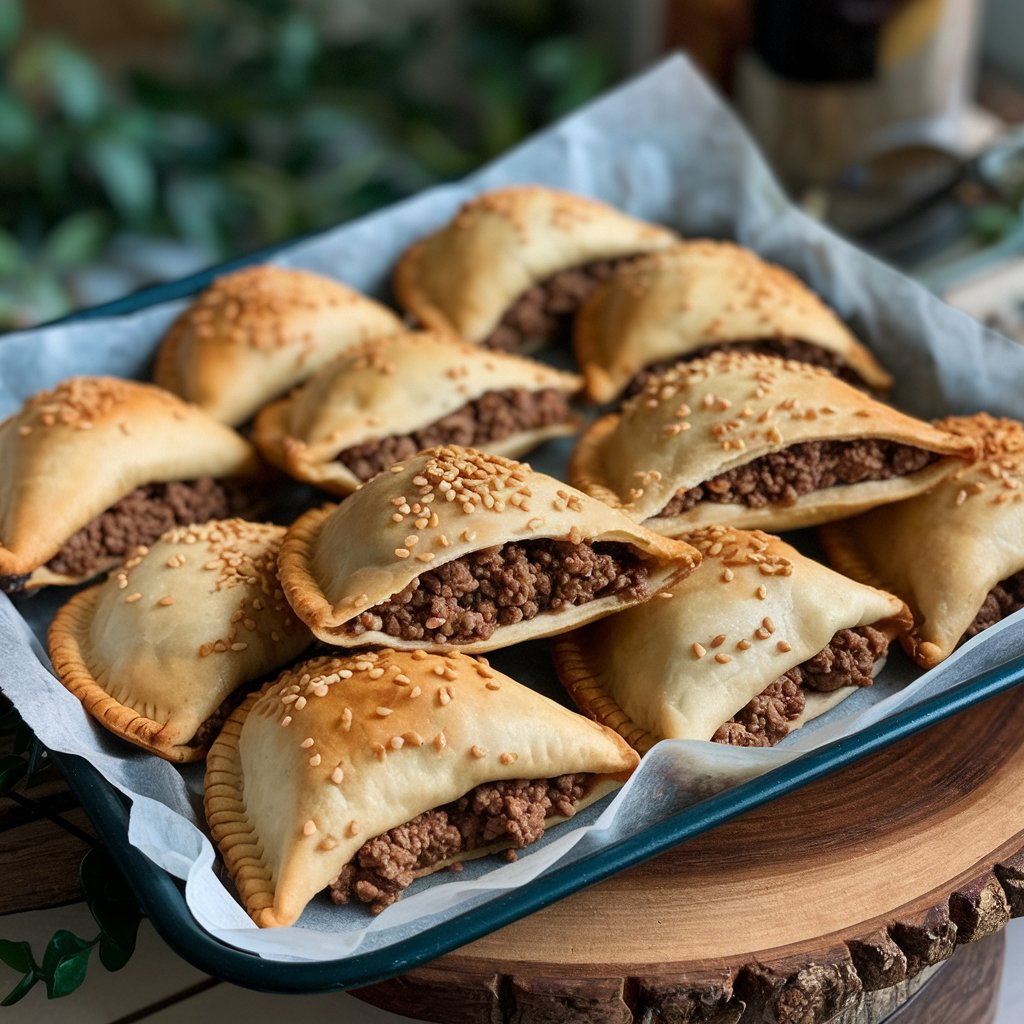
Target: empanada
[
  {"x": 756, "y": 441},
  {"x": 681, "y": 303},
  {"x": 364, "y": 772},
  {"x": 954, "y": 554},
  {"x": 515, "y": 263},
  {"x": 98, "y": 466},
  {"x": 156, "y": 652},
  {"x": 393, "y": 397},
  {"x": 256, "y": 332},
  {"x": 457, "y": 549},
  {"x": 750, "y": 646}
]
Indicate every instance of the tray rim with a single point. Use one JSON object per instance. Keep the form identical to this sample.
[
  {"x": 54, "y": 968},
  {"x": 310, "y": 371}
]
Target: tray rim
[{"x": 162, "y": 897}]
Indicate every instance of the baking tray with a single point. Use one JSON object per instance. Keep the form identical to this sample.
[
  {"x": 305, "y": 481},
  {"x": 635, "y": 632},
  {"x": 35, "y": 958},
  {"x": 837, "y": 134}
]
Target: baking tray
[{"x": 162, "y": 896}]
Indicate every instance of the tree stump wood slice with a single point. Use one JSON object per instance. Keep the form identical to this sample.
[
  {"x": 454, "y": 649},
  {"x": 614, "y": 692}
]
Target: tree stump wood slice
[{"x": 833, "y": 904}]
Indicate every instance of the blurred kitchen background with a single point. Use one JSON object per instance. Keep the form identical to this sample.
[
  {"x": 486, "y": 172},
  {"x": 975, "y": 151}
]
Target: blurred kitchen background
[{"x": 141, "y": 140}]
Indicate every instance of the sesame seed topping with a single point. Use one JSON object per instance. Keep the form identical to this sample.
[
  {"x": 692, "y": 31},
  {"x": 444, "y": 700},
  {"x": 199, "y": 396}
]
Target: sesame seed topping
[
  {"x": 743, "y": 645},
  {"x": 783, "y": 646},
  {"x": 440, "y": 742},
  {"x": 719, "y": 640},
  {"x": 396, "y": 742},
  {"x": 287, "y": 720},
  {"x": 300, "y": 703},
  {"x": 307, "y": 742},
  {"x": 384, "y": 712},
  {"x": 508, "y": 757},
  {"x": 761, "y": 592},
  {"x": 478, "y": 751},
  {"x": 353, "y": 828},
  {"x": 376, "y": 673},
  {"x": 309, "y": 828},
  {"x": 414, "y": 692},
  {"x": 768, "y": 625},
  {"x": 723, "y": 659},
  {"x": 314, "y": 761},
  {"x": 402, "y": 552},
  {"x": 338, "y": 775},
  {"x": 132, "y": 598},
  {"x": 698, "y": 650},
  {"x": 240, "y": 645}
]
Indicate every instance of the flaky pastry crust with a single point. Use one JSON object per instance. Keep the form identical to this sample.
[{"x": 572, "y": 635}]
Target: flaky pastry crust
[
  {"x": 673, "y": 302},
  {"x": 395, "y": 386},
  {"x": 71, "y": 453},
  {"x": 944, "y": 550},
  {"x": 679, "y": 667},
  {"x": 701, "y": 419},
  {"x": 339, "y": 561},
  {"x": 341, "y": 749},
  {"x": 256, "y": 332},
  {"x": 154, "y": 651},
  {"x": 463, "y": 277}
]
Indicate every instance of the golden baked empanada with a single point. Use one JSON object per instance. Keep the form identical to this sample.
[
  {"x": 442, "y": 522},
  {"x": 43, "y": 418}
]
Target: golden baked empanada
[
  {"x": 683, "y": 302},
  {"x": 362, "y": 773},
  {"x": 954, "y": 554},
  {"x": 457, "y": 549},
  {"x": 514, "y": 263},
  {"x": 99, "y": 465},
  {"x": 750, "y": 646},
  {"x": 393, "y": 397},
  {"x": 156, "y": 651},
  {"x": 256, "y": 332},
  {"x": 756, "y": 441}
]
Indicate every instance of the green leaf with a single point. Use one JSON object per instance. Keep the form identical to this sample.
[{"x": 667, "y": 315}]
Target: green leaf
[
  {"x": 10, "y": 22},
  {"x": 126, "y": 175},
  {"x": 17, "y": 955},
  {"x": 113, "y": 907},
  {"x": 76, "y": 82},
  {"x": 12, "y": 770},
  {"x": 76, "y": 240},
  {"x": 22, "y": 989},
  {"x": 65, "y": 963},
  {"x": 12, "y": 259},
  {"x": 17, "y": 126}
]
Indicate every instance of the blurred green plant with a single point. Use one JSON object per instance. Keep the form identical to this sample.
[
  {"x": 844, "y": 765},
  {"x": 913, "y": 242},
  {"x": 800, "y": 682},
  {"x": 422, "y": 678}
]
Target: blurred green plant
[{"x": 266, "y": 127}]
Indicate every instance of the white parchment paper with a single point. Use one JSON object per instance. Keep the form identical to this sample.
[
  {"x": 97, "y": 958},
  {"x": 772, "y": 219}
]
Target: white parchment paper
[{"x": 662, "y": 147}]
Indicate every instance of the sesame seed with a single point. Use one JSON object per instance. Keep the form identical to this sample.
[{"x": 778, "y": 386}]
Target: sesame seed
[
  {"x": 379, "y": 751},
  {"x": 698, "y": 650},
  {"x": 493, "y": 684},
  {"x": 478, "y": 751},
  {"x": 413, "y": 738},
  {"x": 440, "y": 742},
  {"x": 384, "y": 712},
  {"x": 289, "y": 698},
  {"x": 396, "y": 742},
  {"x": 307, "y": 742},
  {"x": 768, "y": 624},
  {"x": 346, "y": 719},
  {"x": 761, "y": 592},
  {"x": 414, "y": 692},
  {"x": 444, "y": 696},
  {"x": 723, "y": 659},
  {"x": 287, "y": 720},
  {"x": 719, "y": 640},
  {"x": 761, "y": 633},
  {"x": 132, "y": 598},
  {"x": 314, "y": 761},
  {"x": 508, "y": 758},
  {"x": 337, "y": 776},
  {"x": 783, "y": 646},
  {"x": 402, "y": 552},
  {"x": 300, "y": 703},
  {"x": 402, "y": 679},
  {"x": 239, "y": 646},
  {"x": 743, "y": 645},
  {"x": 309, "y": 828},
  {"x": 376, "y": 673}
]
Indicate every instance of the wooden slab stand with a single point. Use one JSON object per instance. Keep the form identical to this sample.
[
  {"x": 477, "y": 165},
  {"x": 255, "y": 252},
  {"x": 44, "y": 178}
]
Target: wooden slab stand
[{"x": 823, "y": 906}]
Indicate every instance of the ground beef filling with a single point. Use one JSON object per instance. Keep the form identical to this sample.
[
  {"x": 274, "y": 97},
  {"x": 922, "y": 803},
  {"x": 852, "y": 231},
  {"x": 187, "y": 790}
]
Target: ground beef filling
[
  {"x": 13, "y": 583},
  {"x": 469, "y": 598},
  {"x": 848, "y": 660},
  {"x": 210, "y": 729},
  {"x": 492, "y": 417},
  {"x": 779, "y": 478},
  {"x": 142, "y": 516},
  {"x": 544, "y": 312},
  {"x": 785, "y": 348},
  {"x": 508, "y": 813},
  {"x": 1001, "y": 601}
]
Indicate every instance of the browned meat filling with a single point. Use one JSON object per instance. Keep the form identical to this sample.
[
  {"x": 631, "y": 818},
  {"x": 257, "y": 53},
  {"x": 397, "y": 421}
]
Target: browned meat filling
[
  {"x": 511, "y": 813},
  {"x": 469, "y": 598},
  {"x": 544, "y": 312},
  {"x": 13, "y": 583},
  {"x": 785, "y": 348},
  {"x": 1001, "y": 601},
  {"x": 779, "y": 478},
  {"x": 492, "y": 417},
  {"x": 142, "y": 516},
  {"x": 848, "y": 660},
  {"x": 209, "y": 730}
]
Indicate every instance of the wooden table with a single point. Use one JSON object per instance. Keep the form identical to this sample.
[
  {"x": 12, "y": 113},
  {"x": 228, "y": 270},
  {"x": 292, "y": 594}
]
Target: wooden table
[{"x": 834, "y": 904}]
